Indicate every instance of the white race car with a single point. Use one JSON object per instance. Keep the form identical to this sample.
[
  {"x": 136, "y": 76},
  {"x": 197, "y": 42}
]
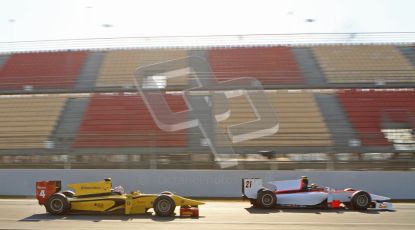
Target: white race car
[{"x": 298, "y": 193}]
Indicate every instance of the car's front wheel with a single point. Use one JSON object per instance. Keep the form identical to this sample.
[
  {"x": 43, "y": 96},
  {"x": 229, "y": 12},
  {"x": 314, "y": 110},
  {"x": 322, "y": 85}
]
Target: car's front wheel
[
  {"x": 164, "y": 205},
  {"x": 361, "y": 200},
  {"x": 348, "y": 205},
  {"x": 57, "y": 204}
]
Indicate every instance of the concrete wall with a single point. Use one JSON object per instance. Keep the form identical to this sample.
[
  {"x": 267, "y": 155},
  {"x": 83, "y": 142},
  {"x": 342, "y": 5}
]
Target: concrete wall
[{"x": 208, "y": 183}]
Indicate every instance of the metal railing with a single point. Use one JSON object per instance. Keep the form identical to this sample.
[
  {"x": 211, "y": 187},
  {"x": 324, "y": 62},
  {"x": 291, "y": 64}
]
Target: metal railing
[{"x": 294, "y": 39}]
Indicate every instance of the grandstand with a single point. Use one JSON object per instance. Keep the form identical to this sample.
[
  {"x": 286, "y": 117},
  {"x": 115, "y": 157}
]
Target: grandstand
[
  {"x": 28, "y": 122},
  {"x": 118, "y": 66},
  {"x": 47, "y": 70},
  {"x": 301, "y": 121},
  {"x": 121, "y": 120},
  {"x": 364, "y": 64},
  {"x": 371, "y": 112},
  {"x": 270, "y": 65},
  {"x": 335, "y": 104}
]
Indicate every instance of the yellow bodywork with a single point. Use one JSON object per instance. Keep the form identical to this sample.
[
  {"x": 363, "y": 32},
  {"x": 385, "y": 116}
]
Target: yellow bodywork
[
  {"x": 89, "y": 188},
  {"x": 98, "y": 204},
  {"x": 139, "y": 204},
  {"x": 97, "y": 197}
]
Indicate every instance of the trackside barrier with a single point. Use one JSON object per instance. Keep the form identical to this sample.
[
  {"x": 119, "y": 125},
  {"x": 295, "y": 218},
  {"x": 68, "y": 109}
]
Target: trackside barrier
[{"x": 207, "y": 183}]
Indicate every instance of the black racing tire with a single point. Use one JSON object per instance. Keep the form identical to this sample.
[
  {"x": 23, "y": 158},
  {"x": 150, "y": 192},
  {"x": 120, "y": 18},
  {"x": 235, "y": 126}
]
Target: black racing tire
[
  {"x": 254, "y": 203},
  {"x": 164, "y": 206},
  {"x": 348, "y": 205},
  {"x": 57, "y": 204},
  {"x": 68, "y": 193},
  {"x": 266, "y": 199},
  {"x": 361, "y": 200}
]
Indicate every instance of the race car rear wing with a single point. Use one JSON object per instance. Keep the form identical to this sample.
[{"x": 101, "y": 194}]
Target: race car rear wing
[
  {"x": 250, "y": 187},
  {"x": 45, "y": 189}
]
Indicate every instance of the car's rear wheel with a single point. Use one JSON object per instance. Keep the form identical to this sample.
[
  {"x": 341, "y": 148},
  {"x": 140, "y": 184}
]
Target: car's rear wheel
[
  {"x": 164, "y": 205},
  {"x": 361, "y": 200},
  {"x": 254, "y": 203},
  {"x": 57, "y": 204},
  {"x": 266, "y": 199}
]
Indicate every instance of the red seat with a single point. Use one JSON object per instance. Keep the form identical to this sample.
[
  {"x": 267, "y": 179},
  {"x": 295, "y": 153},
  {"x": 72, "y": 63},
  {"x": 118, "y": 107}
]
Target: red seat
[
  {"x": 367, "y": 110},
  {"x": 124, "y": 121},
  {"x": 270, "y": 65},
  {"x": 41, "y": 70}
]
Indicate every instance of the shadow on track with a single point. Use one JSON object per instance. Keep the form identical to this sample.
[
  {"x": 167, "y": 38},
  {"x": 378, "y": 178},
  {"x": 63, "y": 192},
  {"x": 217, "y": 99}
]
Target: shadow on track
[
  {"x": 253, "y": 210},
  {"x": 98, "y": 218}
]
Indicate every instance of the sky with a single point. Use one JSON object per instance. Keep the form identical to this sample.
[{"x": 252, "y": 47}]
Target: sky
[{"x": 33, "y": 20}]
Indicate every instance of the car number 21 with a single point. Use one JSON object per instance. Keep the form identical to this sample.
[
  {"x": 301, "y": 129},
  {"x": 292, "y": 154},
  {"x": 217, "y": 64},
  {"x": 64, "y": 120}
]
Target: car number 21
[{"x": 248, "y": 184}]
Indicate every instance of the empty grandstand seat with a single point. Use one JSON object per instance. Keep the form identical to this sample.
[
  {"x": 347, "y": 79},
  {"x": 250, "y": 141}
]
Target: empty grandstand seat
[
  {"x": 368, "y": 110},
  {"x": 364, "y": 64},
  {"x": 119, "y": 66},
  {"x": 301, "y": 123},
  {"x": 270, "y": 65},
  {"x": 28, "y": 122},
  {"x": 48, "y": 70},
  {"x": 123, "y": 120}
]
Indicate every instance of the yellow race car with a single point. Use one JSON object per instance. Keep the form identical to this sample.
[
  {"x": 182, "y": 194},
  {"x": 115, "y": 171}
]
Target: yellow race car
[{"x": 100, "y": 197}]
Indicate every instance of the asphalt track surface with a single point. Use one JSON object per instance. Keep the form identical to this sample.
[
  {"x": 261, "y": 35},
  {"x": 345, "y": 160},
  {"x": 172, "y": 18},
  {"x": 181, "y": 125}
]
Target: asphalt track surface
[{"x": 27, "y": 214}]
